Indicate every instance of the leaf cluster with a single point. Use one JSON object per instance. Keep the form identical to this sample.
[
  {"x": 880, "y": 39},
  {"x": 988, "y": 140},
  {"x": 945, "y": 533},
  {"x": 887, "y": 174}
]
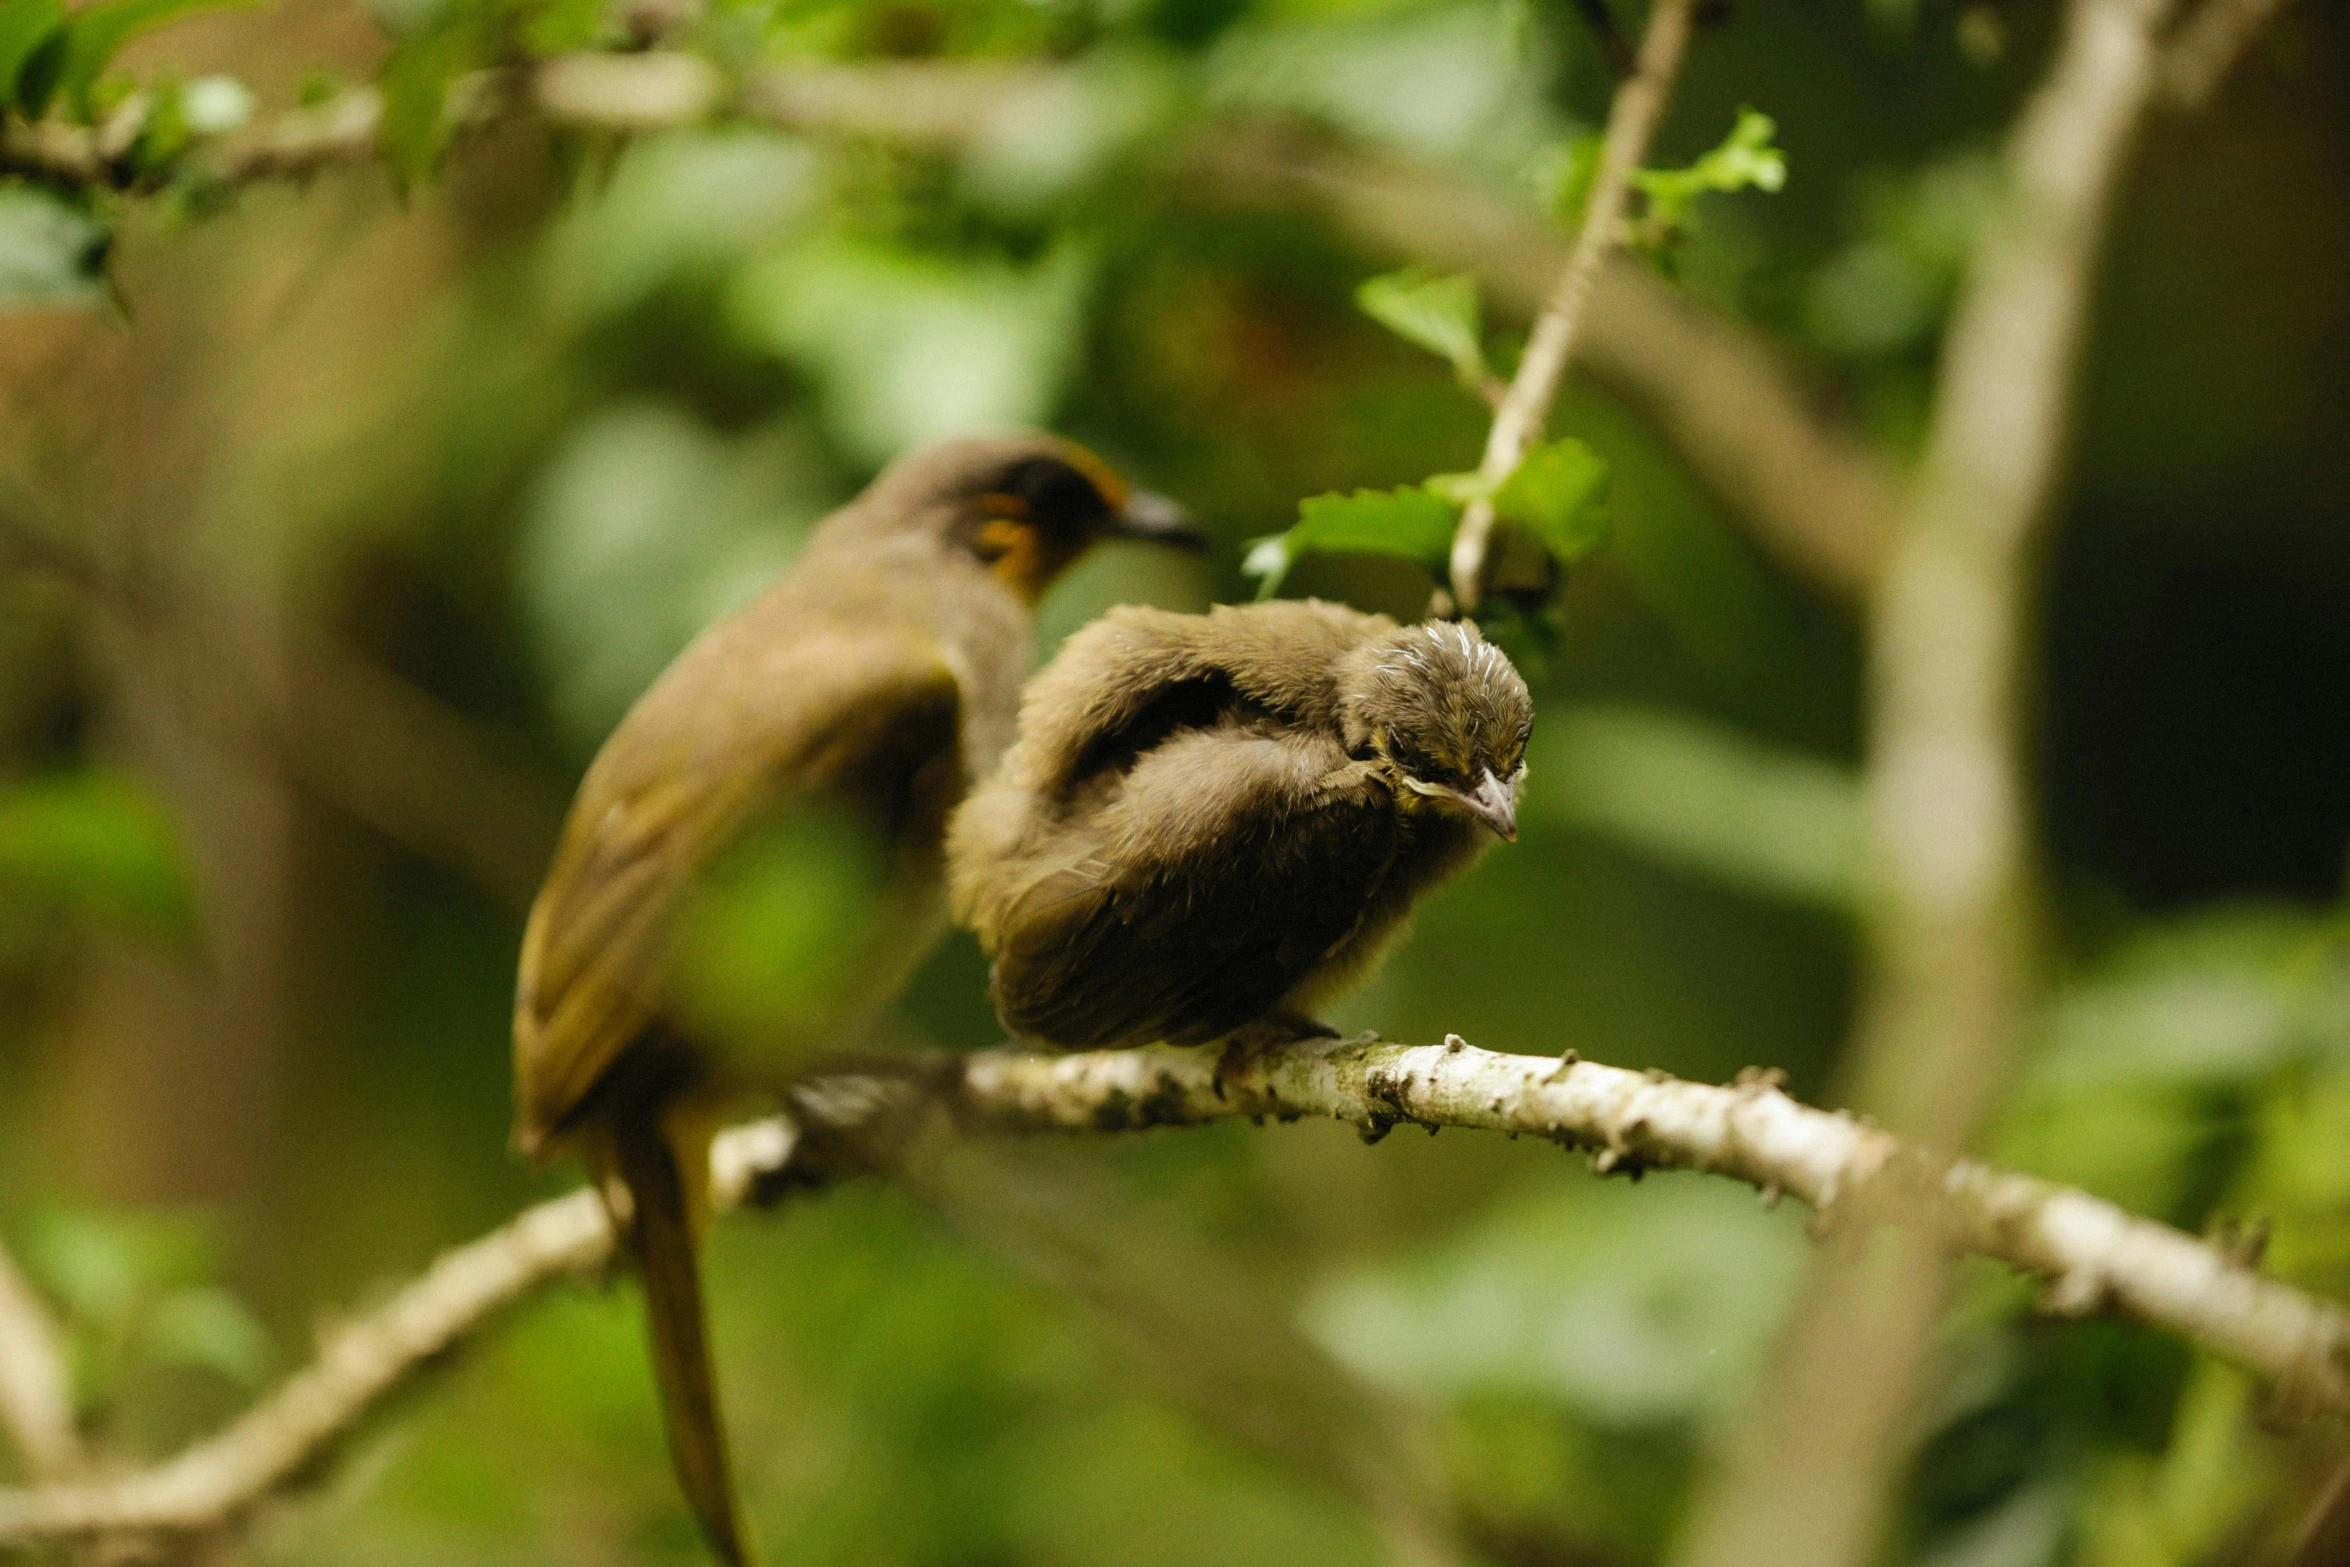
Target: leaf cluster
[{"x": 1556, "y": 496}]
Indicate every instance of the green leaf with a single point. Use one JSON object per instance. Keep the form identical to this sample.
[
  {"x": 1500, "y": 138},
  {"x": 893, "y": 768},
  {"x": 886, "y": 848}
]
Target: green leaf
[
  {"x": 1439, "y": 314},
  {"x": 99, "y": 842},
  {"x": 52, "y": 252},
  {"x": 100, "y": 1265},
  {"x": 98, "y": 32},
  {"x": 205, "y": 1326},
  {"x": 25, "y": 25},
  {"x": 1558, "y": 493},
  {"x": 1745, "y": 160},
  {"x": 1408, "y": 522},
  {"x": 1635, "y": 1307},
  {"x": 415, "y": 83},
  {"x": 1563, "y": 177},
  {"x": 788, "y": 932}
]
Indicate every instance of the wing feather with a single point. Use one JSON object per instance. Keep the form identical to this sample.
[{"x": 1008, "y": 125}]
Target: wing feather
[
  {"x": 667, "y": 795},
  {"x": 1149, "y": 919}
]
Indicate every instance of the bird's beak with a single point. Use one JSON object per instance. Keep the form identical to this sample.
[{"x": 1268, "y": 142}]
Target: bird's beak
[
  {"x": 1494, "y": 802},
  {"x": 1155, "y": 517}
]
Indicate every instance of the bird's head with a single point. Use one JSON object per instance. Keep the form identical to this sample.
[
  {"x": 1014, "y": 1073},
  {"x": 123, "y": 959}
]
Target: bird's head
[
  {"x": 1442, "y": 717},
  {"x": 1026, "y": 506}
]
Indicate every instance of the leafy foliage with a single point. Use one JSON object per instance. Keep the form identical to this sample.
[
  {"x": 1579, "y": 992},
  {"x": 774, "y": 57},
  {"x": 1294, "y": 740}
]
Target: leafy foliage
[
  {"x": 573, "y": 445},
  {"x": 98, "y": 843},
  {"x": 1437, "y": 313},
  {"x": 1558, "y": 493},
  {"x": 1745, "y": 160},
  {"x": 1408, "y": 523},
  {"x": 97, "y": 32},
  {"x": 139, "y": 1295},
  {"x": 27, "y": 27},
  {"x": 52, "y": 251}
]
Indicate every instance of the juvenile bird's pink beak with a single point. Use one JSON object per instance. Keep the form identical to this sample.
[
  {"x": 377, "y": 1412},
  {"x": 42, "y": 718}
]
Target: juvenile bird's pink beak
[{"x": 1495, "y": 803}]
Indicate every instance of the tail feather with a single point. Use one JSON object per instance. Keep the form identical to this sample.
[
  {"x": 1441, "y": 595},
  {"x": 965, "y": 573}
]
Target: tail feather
[{"x": 664, "y": 1244}]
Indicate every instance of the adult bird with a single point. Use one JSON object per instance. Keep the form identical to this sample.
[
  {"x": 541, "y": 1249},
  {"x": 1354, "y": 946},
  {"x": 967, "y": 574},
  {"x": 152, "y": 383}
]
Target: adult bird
[
  {"x": 841, "y": 714},
  {"x": 1212, "y": 822}
]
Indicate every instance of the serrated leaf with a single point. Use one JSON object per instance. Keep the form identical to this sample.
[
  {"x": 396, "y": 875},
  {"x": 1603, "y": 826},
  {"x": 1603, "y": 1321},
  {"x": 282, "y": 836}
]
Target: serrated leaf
[
  {"x": 415, "y": 83},
  {"x": 1409, "y": 523},
  {"x": 1745, "y": 160},
  {"x": 98, "y": 32},
  {"x": 1439, "y": 314},
  {"x": 98, "y": 842},
  {"x": 25, "y": 25},
  {"x": 1558, "y": 493}
]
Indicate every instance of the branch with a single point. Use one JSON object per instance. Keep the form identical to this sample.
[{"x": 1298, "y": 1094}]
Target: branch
[
  {"x": 1517, "y": 424},
  {"x": 2092, "y": 1254},
  {"x": 1945, "y": 785},
  {"x": 913, "y": 101},
  {"x": 36, "y": 1408},
  {"x": 1814, "y": 494},
  {"x": 1811, "y": 491},
  {"x": 334, "y": 720}
]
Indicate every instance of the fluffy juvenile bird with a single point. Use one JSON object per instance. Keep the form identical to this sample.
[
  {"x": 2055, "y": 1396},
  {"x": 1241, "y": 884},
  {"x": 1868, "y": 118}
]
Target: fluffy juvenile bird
[
  {"x": 851, "y": 704},
  {"x": 1211, "y": 821}
]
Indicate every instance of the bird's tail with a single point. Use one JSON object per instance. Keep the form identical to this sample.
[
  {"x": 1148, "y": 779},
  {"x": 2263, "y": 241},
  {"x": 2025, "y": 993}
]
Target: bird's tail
[{"x": 664, "y": 1197}]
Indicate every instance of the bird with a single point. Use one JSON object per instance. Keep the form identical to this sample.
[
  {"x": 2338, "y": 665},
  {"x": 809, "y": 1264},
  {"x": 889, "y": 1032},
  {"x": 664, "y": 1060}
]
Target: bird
[
  {"x": 1209, "y": 825},
  {"x": 848, "y": 707}
]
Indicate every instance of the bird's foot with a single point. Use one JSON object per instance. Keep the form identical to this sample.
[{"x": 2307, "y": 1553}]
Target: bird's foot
[{"x": 1247, "y": 1045}]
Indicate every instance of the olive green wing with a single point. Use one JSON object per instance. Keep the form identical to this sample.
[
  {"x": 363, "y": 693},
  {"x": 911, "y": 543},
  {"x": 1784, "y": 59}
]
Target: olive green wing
[{"x": 868, "y": 715}]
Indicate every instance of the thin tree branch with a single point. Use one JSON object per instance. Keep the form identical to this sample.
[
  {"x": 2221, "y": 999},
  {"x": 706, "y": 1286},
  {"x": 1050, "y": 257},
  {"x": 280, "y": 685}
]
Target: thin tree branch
[
  {"x": 1811, "y": 1479},
  {"x": 2092, "y": 1254},
  {"x": 2207, "y": 47},
  {"x": 1517, "y": 424},
  {"x": 36, "y": 1406},
  {"x": 336, "y": 721},
  {"x": 1812, "y": 492},
  {"x": 912, "y": 101}
]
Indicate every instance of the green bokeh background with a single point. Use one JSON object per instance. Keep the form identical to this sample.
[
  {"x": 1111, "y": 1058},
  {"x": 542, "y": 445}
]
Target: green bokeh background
[{"x": 514, "y": 439}]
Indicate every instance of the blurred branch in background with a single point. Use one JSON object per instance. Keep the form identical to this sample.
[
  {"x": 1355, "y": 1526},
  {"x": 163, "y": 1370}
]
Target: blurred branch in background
[
  {"x": 2093, "y": 1255},
  {"x": 36, "y": 1406},
  {"x": 1517, "y": 423},
  {"x": 365, "y": 740},
  {"x": 1206, "y": 1332},
  {"x": 1812, "y": 491},
  {"x": 1815, "y": 1471}
]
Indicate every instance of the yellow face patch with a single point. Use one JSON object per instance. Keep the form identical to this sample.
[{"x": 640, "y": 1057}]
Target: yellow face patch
[{"x": 1015, "y": 548}]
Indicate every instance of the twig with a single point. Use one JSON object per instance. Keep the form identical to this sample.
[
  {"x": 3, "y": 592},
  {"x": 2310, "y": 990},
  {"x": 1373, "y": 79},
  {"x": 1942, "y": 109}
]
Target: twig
[
  {"x": 915, "y": 101},
  {"x": 36, "y": 1408},
  {"x": 1631, "y": 122},
  {"x": 1810, "y": 490},
  {"x": 1810, "y": 1480},
  {"x": 2093, "y": 1254},
  {"x": 2208, "y": 45},
  {"x": 336, "y": 721},
  {"x": 1813, "y": 492}
]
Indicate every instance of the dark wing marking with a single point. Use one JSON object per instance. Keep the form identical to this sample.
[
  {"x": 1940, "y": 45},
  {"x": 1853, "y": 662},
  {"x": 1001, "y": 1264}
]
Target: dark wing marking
[
  {"x": 1123, "y": 683},
  {"x": 1228, "y": 866}
]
